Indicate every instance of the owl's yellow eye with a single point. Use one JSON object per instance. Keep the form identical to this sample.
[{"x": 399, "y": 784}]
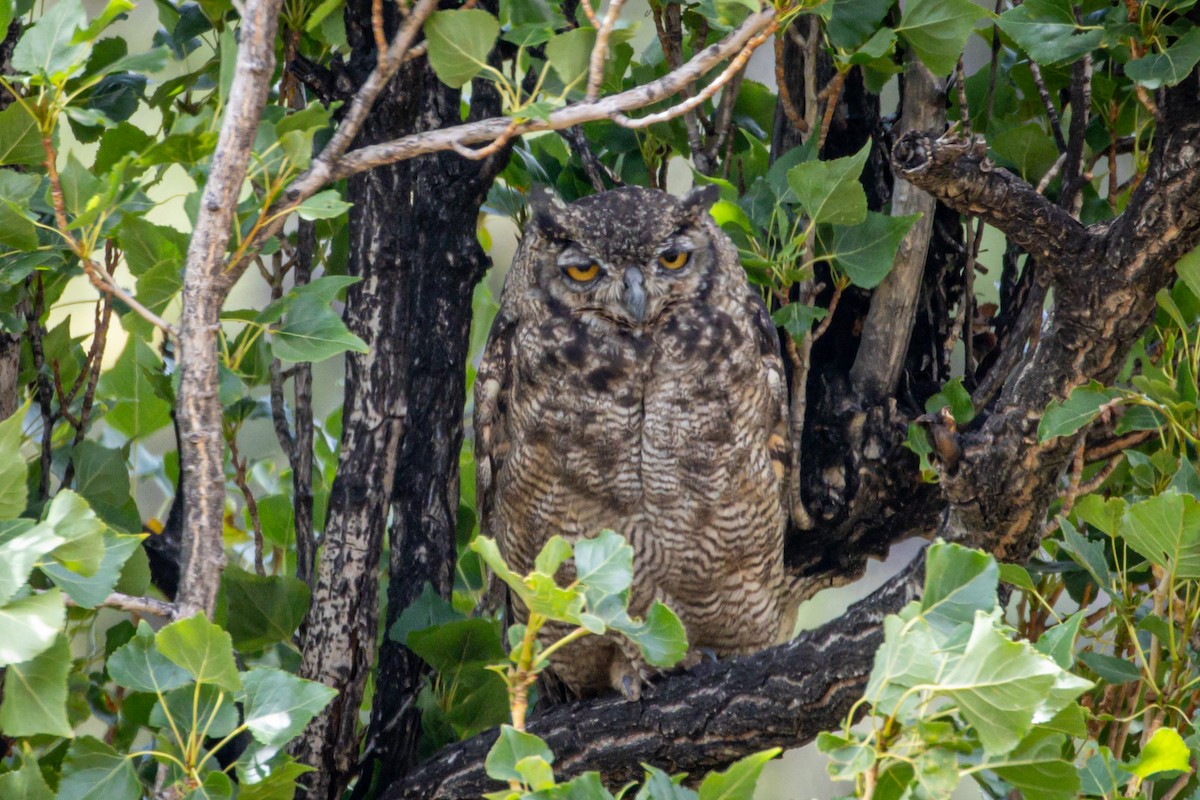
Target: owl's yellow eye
[
  {"x": 673, "y": 259},
  {"x": 584, "y": 274}
]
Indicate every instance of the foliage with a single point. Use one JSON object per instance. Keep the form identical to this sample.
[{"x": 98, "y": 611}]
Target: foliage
[
  {"x": 1102, "y": 703},
  {"x": 105, "y": 148}
]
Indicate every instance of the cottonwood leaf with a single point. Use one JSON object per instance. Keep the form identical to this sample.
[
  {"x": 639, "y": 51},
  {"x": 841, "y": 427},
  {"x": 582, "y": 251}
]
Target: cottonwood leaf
[
  {"x": 1166, "y": 530},
  {"x": 938, "y": 30},
  {"x": 13, "y": 491},
  {"x": 459, "y": 43},
  {"x": 1081, "y": 407},
  {"x": 29, "y": 624},
  {"x": 94, "y": 771},
  {"x": 829, "y": 191},
  {"x": 22, "y": 545},
  {"x": 866, "y": 251},
  {"x": 1038, "y": 770},
  {"x": 20, "y": 142},
  {"x": 1165, "y": 752},
  {"x": 35, "y": 693},
  {"x": 138, "y": 665},
  {"x": 27, "y": 782},
  {"x": 959, "y": 583},
  {"x": 737, "y": 782},
  {"x": 201, "y": 648},
  {"x": 512, "y": 746},
  {"x": 89, "y": 591},
  {"x": 260, "y": 610},
  {"x": 1170, "y": 66},
  {"x": 1047, "y": 31},
  {"x": 48, "y": 49}
]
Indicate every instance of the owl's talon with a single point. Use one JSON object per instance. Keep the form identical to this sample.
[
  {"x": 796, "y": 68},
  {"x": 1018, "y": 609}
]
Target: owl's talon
[
  {"x": 710, "y": 654},
  {"x": 631, "y": 688}
]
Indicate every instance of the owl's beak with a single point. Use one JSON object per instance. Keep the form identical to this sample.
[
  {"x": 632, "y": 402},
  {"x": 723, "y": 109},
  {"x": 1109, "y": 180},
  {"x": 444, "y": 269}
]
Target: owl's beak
[{"x": 635, "y": 295}]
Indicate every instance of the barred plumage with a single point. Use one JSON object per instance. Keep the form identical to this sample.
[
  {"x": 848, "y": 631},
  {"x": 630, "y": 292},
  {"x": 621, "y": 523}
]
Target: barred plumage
[{"x": 621, "y": 389}]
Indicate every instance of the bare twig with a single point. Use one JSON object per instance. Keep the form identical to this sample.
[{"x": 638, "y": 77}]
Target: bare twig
[
  {"x": 731, "y": 69},
  {"x": 483, "y": 152},
  {"x": 832, "y": 94},
  {"x": 239, "y": 477},
  {"x": 140, "y": 605},
  {"x": 1051, "y": 173},
  {"x": 600, "y": 49},
  {"x": 964, "y": 112},
  {"x": 838, "y": 288},
  {"x": 377, "y": 26},
  {"x": 785, "y": 95},
  {"x": 1048, "y": 104}
]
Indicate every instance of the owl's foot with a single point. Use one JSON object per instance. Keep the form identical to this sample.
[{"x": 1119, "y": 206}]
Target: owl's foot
[
  {"x": 697, "y": 656},
  {"x": 632, "y": 679}
]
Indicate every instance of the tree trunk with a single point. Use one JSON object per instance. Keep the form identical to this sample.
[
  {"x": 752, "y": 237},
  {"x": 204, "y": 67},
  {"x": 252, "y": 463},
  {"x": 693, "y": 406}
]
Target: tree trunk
[{"x": 413, "y": 242}]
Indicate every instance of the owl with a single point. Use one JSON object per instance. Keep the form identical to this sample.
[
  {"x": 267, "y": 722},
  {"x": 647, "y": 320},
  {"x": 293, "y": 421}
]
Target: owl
[{"x": 632, "y": 381}]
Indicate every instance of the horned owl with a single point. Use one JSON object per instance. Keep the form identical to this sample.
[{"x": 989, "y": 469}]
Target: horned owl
[{"x": 632, "y": 381}]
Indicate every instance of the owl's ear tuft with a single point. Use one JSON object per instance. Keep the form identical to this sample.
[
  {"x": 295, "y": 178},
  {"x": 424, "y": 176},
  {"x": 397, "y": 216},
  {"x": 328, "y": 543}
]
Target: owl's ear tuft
[
  {"x": 548, "y": 214},
  {"x": 699, "y": 200}
]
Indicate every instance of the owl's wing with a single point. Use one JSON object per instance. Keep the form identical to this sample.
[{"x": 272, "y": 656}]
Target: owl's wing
[
  {"x": 493, "y": 382},
  {"x": 778, "y": 441}
]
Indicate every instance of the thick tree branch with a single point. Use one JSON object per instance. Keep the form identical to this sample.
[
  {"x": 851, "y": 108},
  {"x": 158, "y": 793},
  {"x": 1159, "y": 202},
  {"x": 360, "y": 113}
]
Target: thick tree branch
[
  {"x": 958, "y": 173},
  {"x": 700, "y": 720},
  {"x": 205, "y": 285},
  {"x": 889, "y": 323}
]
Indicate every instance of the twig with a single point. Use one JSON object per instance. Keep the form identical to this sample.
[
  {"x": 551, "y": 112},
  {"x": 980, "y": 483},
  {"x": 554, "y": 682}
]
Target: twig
[
  {"x": 1116, "y": 446},
  {"x": 1044, "y": 183},
  {"x": 45, "y": 392},
  {"x": 483, "y": 152},
  {"x": 377, "y": 26},
  {"x": 964, "y": 113},
  {"x": 1097, "y": 480},
  {"x": 734, "y": 66},
  {"x": 832, "y": 94},
  {"x": 838, "y": 288},
  {"x": 600, "y": 49},
  {"x": 721, "y": 124},
  {"x": 136, "y": 605},
  {"x": 1048, "y": 104},
  {"x": 785, "y": 95},
  {"x": 239, "y": 477},
  {"x": 593, "y": 167}
]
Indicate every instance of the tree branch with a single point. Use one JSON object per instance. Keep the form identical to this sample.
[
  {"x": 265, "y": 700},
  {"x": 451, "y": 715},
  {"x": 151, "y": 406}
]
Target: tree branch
[
  {"x": 703, "y": 719},
  {"x": 958, "y": 173}
]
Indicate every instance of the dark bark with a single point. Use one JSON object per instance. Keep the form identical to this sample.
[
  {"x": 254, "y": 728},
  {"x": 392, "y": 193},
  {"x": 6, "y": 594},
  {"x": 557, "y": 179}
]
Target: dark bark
[
  {"x": 413, "y": 241},
  {"x": 995, "y": 498},
  {"x": 699, "y": 720}
]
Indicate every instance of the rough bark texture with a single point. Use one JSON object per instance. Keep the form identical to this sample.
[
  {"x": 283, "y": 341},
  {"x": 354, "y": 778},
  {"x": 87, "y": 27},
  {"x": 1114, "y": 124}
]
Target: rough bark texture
[
  {"x": 699, "y": 720},
  {"x": 205, "y": 285},
  {"x": 413, "y": 241},
  {"x": 10, "y": 344},
  {"x": 1105, "y": 279}
]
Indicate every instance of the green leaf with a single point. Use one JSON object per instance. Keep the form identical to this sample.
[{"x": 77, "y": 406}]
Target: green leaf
[
  {"x": 849, "y": 756},
  {"x": 553, "y": 554},
  {"x": 17, "y": 229},
  {"x": 459, "y": 43},
  {"x": 114, "y": 9},
  {"x": 259, "y": 611},
  {"x": 1081, "y": 407},
  {"x": 1059, "y": 642},
  {"x": 1102, "y": 513},
  {"x": 29, "y": 625},
  {"x": 1102, "y": 775},
  {"x": 13, "y": 492},
  {"x": 955, "y": 397},
  {"x": 604, "y": 563},
  {"x": 138, "y": 665},
  {"x": 1038, "y": 770},
  {"x": 569, "y": 53},
  {"x": 1188, "y": 267},
  {"x": 73, "y": 521},
  {"x": 490, "y": 553},
  {"x": 1168, "y": 67},
  {"x": 1000, "y": 686},
  {"x": 1046, "y": 30},
  {"x": 102, "y": 477},
  {"x": 135, "y": 409},
  {"x": 908, "y": 658},
  {"x": 1166, "y": 529},
  {"x": 35, "y": 693},
  {"x": 737, "y": 782},
  {"x": 829, "y": 191},
  {"x": 866, "y": 251},
  {"x": 48, "y": 48},
  {"x": 535, "y": 773},
  {"x": 427, "y": 611},
  {"x": 1165, "y": 752},
  {"x": 27, "y": 782},
  {"x": 661, "y": 638},
  {"x": 852, "y": 22},
  {"x": 22, "y": 545},
  {"x": 90, "y": 591},
  {"x": 311, "y": 330},
  {"x": 1112, "y": 669},
  {"x": 938, "y": 30},
  {"x": 959, "y": 582},
  {"x": 661, "y": 786},
  {"x": 146, "y": 245},
  {"x": 510, "y": 748},
  {"x": 216, "y": 785},
  {"x": 797, "y": 319},
  {"x": 201, "y": 648},
  {"x": 94, "y": 771},
  {"x": 329, "y": 203},
  {"x": 280, "y": 784},
  {"x": 278, "y": 704},
  {"x": 193, "y": 708},
  {"x": 452, "y": 645},
  {"x": 20, "y": 142}
]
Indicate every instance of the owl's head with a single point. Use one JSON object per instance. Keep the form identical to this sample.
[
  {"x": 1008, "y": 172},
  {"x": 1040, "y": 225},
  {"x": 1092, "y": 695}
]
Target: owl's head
[{"x": 625, "y": 257}]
